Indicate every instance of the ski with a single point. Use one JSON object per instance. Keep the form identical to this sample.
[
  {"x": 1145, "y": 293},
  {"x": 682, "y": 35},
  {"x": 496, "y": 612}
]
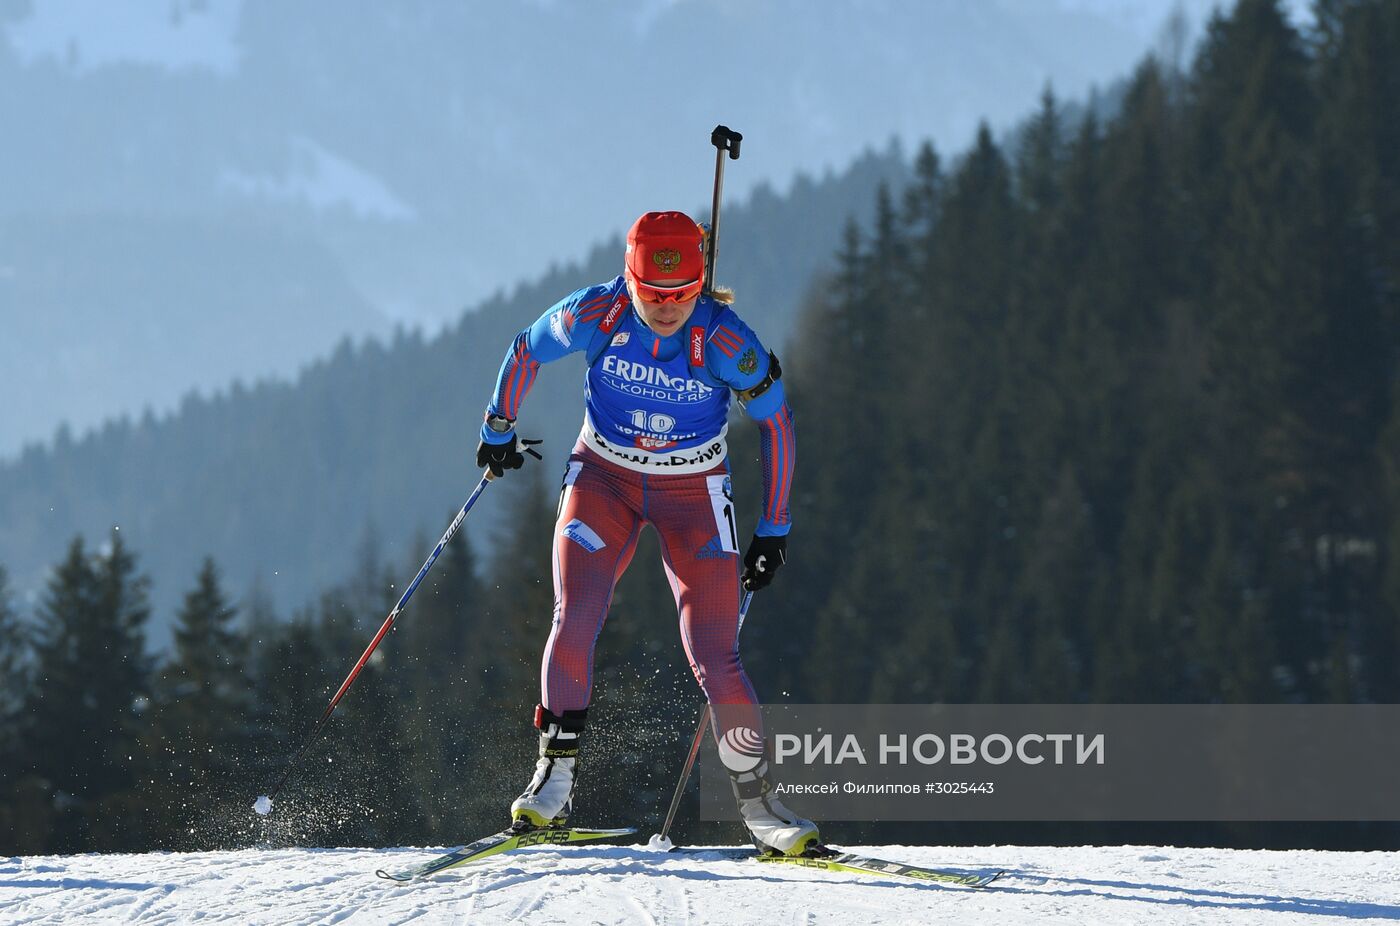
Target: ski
[
  {"x": 828, "y": 859},
  {"x": 725, "y": 853},
  {"x": 507, "y": 840}
]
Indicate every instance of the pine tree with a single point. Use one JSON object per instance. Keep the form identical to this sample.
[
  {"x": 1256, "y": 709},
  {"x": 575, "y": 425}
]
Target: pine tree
[
  {"x": 923, "y": 200},
  {"x": 84, "y": 716},
  {"x": 375, "y": 758},
  {"x": 973, "y": 432},
  {"x": 1062, "y": 561},
  {"x": 1357, "y": 43},
  {"x": 1382, "y": 631},
  {"x": 1277, "y": 359},
  {"x": 522, "y": 593},
  {"x": 518, "y": 613},
  {"x": 1255, "y": 94},
  {"x": 14, "y": 670},
  {"x": 203, "y": 712},
  {"x": 440, "y": 669},
  {"x": 1038, "y": 163},
  {"x": 209, "y": 655},
  {"x": 370, "y": 591},
  {"x": 924, "y": 659},
  {"x": 291, "y": 663}
]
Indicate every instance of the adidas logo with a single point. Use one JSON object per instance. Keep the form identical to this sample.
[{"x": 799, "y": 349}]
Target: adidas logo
[{"x": 712, "y": 550}]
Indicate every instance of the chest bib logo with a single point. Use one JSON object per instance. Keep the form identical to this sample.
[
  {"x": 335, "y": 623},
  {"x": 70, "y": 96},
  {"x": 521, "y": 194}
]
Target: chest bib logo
[
  {"x": 647, "y": 380},
  {"x": 697, "y": 346}
]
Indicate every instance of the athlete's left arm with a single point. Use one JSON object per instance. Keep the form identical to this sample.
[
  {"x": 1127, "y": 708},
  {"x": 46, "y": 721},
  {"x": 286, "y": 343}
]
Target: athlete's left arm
[{"x": 739, "y": 359}]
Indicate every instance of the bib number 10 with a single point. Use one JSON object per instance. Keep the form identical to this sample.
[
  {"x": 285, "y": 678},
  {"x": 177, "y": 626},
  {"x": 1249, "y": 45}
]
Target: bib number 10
[{"x": 653, "y": 422}]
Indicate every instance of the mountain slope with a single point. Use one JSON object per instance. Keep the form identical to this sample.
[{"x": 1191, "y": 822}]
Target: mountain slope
[
  {"x": 280, "y": 480},
  {"x": 425, "y": 177}
]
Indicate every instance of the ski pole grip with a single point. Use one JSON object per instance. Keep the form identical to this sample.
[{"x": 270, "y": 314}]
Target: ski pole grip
[{"x": 725, "y": 139}]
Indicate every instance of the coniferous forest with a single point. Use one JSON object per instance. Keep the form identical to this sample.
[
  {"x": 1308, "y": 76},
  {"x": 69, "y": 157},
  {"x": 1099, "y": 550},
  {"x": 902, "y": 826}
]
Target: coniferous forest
[{"x": 1108, "y": 413}]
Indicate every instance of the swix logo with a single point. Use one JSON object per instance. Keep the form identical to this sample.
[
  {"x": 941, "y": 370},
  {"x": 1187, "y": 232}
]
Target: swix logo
[
  {"x": 697, "y": 346},
  {"x": 610, "y": 320},
  {"x": 654, "y": 443}
]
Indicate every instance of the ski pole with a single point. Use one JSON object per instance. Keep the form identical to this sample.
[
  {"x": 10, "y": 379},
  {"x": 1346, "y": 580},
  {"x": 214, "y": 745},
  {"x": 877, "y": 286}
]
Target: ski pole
[
  {"x": 263, "y": 805},
  {"x": 695, "y": 743},
  {"x": 724, "y": 140}
]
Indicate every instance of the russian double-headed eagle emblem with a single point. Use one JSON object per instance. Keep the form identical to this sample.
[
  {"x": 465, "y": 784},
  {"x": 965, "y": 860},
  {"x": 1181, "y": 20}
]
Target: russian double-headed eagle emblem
[{"x": 667, "y": 259}]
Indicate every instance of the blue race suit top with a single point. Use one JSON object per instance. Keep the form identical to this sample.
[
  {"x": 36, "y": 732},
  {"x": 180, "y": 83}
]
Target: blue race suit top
[{"x": 657, "y": 404}]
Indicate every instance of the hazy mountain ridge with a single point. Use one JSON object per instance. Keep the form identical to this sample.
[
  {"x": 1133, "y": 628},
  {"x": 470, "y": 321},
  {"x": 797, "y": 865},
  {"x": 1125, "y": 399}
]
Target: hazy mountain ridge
[
  {"x": 145, "y": 321},
  {"x": 280, "y": 480},
  {"x": 426, "y": 177}
]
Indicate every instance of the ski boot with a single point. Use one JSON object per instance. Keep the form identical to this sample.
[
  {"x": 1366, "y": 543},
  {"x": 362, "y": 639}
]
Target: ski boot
[
  {"x": 549, "y": 798},
  {"x": 774, "y": 829}
]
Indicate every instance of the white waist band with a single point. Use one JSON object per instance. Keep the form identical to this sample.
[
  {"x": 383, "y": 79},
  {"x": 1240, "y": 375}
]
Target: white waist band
[{"x": 698, "y": 459}]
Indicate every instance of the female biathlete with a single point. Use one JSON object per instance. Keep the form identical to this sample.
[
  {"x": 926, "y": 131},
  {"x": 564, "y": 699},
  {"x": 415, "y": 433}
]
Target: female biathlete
[{"x": 662, "y": 359}]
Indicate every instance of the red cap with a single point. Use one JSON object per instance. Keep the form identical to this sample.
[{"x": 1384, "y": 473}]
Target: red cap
[{"x": 665, "y": 246}]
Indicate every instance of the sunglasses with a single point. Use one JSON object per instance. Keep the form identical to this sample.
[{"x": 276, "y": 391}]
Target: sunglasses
[{"x": 659, "y": 294}]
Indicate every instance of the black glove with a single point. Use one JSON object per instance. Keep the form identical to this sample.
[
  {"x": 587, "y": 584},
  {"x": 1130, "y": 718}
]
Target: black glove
[
  {"x": 501, "y": 457},
  {"x": 765, "y": 555}
]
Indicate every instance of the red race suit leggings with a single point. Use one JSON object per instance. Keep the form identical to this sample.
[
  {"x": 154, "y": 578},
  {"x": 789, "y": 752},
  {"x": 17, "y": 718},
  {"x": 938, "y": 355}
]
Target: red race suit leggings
[{"x": 602, "y": 510}]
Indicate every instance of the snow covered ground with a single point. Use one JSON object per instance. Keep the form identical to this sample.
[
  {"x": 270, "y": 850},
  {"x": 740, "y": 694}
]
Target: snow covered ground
[{"x": 631, "y": 884}]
